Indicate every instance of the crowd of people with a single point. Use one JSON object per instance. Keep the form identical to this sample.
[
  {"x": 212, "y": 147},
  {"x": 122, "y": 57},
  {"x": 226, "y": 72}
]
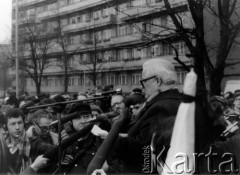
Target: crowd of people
[{"x": 30, "y": 129}]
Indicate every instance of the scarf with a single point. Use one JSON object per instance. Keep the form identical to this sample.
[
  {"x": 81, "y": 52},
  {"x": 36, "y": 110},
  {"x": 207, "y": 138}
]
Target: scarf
[{"x": 21, "y": 144}]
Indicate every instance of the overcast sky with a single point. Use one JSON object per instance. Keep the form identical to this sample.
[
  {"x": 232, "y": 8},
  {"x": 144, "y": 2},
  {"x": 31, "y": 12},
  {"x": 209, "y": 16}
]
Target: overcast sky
[{"x": 5, "y": 21}]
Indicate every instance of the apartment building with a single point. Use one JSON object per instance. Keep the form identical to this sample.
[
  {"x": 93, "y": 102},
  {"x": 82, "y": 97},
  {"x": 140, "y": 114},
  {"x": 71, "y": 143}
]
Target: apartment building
[
  {"x": 120, "y": 35},
  {"x": 6, "y": 74}
]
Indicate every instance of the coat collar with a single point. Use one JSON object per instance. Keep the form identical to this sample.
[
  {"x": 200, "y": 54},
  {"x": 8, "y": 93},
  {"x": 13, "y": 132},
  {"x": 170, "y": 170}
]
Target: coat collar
[{"x": 168, "y": 94}]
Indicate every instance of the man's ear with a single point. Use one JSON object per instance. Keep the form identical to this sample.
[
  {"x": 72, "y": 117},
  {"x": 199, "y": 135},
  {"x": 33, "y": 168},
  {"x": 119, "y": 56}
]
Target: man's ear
[{"x": 159, "y": 81}]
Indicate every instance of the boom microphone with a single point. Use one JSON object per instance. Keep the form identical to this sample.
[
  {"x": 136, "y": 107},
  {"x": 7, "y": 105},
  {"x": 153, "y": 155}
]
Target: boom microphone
[
  {"x": 109, "y": 92},
  {"x": 103, "y": 151},
  {"x": 69, "y": 141},
  {"x": 104, "y": 116},
  {"x": 65, "y": 119}
]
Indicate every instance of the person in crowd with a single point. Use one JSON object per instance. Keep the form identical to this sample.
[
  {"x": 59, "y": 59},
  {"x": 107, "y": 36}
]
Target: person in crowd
[
  {"x": 3, "y": 151},
  {"x": 134, "y": 102},
  {"x": 218, "y": 106},
  {"x": 2, "y": 124},
  {"x": 74, "y": 97},
  {"x": 42, "y": 139},
  {"x": 82, "y": 96},
  {"x": 17, "y": 141},
  {"x": 117, "y": 104},
  {"x": 96, "y": 110},
  {"x": 229, "y": 96},
  {"x": 236, "y": 102},
  {"x": 85, "y": 147},
  {"x": 12, "y": 100},
  {"x": 162, "y": 101},
  {"x": 137, "y": 90}
]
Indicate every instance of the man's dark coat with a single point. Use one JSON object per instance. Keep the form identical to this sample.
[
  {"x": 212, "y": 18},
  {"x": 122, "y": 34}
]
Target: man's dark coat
[{"x": 132, "y": 148}]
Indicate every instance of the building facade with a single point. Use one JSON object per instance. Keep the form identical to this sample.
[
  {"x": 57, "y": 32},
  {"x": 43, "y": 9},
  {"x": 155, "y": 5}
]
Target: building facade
[
  {"x": 107, "y": 42},
  {"x": 6, "y": 73}
]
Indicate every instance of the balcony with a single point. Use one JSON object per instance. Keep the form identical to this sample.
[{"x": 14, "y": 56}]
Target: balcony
[
  {"x": 22, "y": 3},
  {"x": 125, "y": 39},
  {"x": 80, "y": 5},
  {"x": 47, "y": 14},
  {"x": 111, "y": 19},
  {"x": 136, "y": 12}
]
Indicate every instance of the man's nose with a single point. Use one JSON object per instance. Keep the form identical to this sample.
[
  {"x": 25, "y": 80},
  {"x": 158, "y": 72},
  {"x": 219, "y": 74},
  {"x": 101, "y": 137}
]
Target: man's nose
[{"x": 17, "y": 126}]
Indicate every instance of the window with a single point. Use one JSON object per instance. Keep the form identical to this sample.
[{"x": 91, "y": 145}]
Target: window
[
  {"x": 106, "y": 56},
  {"x": 56, "y": 81},
  {"x": 99, "y": 82},
  {"x": 71, "y": 81},
  {"x": 80, "y": 81},
  {"x": 180, "y": 48},
  {"x": 146, "y": 27},
  {"x": 136, "y": 78},
  {"x": 180, "y": 77},
  {"x": 97, "y": 14},
  {"x": 79, "y": 19},
  {"x": 111, "y": 80},
  {"x": 88, "y": 17},
  {"x": 138, "y": 53},
  {"x": 106, "y": 35},
  {"x": 71, "y": 61},
  {"x": 69, "y": 2},
  {"x": 73, "y": 20},
  {"x": 122, "y": 54},
  {"x": 114, "y": 55},
  {"x": 44, "y": 8},
  {"x": 129, "y": 4},
  {"x": 105, "y": 12},
  {"x": 71, "y": 40},
  {"x": 122, "y": 79},
  {"x": 122, "y": 30},
  {"x": 98, "y": 36}
]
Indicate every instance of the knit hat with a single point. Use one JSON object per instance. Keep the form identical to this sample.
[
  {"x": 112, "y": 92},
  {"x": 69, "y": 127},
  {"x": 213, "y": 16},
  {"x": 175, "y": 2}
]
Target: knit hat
[
  {"x": 82, "y": 108},
  {"x": 134, "y": 99}
]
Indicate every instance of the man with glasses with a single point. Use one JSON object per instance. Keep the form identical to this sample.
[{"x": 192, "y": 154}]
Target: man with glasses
[
  {"x": 43, "y": 139},
  {"x": 162, "y": 101},
  {"x": 117, "y": 104}
]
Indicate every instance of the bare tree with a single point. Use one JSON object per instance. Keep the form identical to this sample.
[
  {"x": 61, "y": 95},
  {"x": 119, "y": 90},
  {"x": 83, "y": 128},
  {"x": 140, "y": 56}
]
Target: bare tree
[
  {"x": 96, "y": 60},
  {"x": 35, "y": 42},
  {"x": 227, "y": 16},
  {"x": 208, "y": 60},
  {"x": 5, "y": 64}
]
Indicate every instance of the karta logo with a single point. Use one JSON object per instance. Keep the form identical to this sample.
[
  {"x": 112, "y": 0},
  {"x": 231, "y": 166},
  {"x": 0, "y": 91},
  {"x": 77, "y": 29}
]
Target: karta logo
[{"x": 189, "y": 164}]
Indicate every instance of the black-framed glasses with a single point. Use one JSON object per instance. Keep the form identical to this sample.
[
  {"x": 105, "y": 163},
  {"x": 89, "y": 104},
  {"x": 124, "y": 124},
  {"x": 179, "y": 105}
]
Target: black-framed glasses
[
  {"x": 43, "y": 128},
  {"x": 146, "y": 79}
]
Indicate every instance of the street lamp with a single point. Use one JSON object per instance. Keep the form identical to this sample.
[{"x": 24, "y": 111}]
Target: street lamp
[{"x": 16, "y": 51}]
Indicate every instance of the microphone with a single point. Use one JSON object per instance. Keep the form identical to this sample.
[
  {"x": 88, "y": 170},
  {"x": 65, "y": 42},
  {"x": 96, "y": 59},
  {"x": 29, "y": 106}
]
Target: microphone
[
  {"x": 109, "y": 92},
  {"x": 69, "y": 141},
  {"x": 65, "y": 119},
  {"x": 104, "y": 116}
]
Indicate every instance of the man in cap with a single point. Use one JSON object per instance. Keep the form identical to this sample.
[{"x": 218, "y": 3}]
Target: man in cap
[{"x": 85, "y": 147}]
